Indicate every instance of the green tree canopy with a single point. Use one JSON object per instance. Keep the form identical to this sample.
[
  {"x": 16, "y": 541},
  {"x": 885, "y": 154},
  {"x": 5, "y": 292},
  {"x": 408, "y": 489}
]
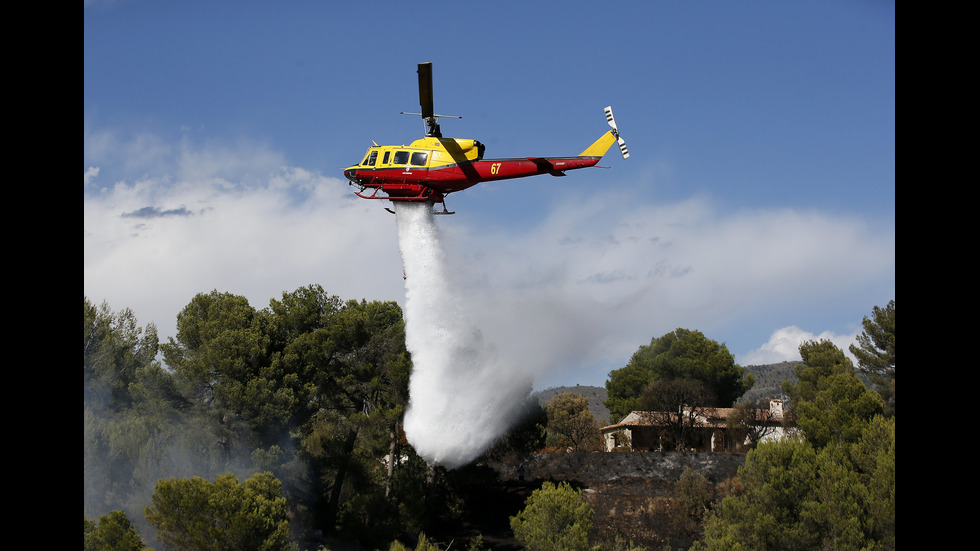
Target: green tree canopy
[
  {"x": 571, "y": 423},
  {"x": 113, "y": 532},
  {"x": 832, "y": 489},
  {"x": 829, "y": 403},
  {"x": 875, "y": 352},
  {"x": 352, "y": 358},
  {"x": 555, "y": 518},
  {"x": 799, "y": 498},
  {"x": 778, "y": 478},
  {"x": 694, "y": 493},
  {"x": 194, "y": 514},
  {"x": 839, "y": 411},
  {"x": 679, "y": 355},
  {"x": 820, "y": 359},
  {"x": 221, "y": 347},
  {"x": 311, "y": 388},
  {"x": 129, "y": 400},
  {"x": 116, "y": 351}
]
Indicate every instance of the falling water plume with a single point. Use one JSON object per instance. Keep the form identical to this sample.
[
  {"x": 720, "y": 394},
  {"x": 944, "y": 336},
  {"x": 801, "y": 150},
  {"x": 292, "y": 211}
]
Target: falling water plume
[{"x": 461, "y": 395}]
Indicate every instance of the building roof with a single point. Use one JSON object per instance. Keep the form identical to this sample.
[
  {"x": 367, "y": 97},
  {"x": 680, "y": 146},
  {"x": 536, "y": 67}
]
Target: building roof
[{"x": 706, "y": 417}]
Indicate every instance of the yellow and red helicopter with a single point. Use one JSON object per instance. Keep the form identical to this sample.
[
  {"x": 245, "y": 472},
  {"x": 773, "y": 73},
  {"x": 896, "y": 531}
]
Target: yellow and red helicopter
[{"x": 432, "y": 167}]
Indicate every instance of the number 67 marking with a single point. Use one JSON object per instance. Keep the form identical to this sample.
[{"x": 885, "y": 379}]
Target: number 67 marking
[{"x": 495, "y": 168}]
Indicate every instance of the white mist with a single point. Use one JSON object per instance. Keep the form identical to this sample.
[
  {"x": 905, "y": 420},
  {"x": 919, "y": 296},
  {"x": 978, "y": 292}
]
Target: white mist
[{"x": 461, "y": 397}]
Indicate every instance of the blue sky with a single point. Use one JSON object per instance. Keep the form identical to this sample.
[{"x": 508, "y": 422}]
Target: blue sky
[{"x": 758, "y": 203}]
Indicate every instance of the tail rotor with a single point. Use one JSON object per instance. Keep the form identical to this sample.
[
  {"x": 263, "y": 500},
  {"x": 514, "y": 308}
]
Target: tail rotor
[{"x": 619, "y": 139}]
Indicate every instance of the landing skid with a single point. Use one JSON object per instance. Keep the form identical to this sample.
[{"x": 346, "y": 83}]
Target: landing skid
[
  {"x": 444, "y": 209},
  {"x": 425, "y": 194}
]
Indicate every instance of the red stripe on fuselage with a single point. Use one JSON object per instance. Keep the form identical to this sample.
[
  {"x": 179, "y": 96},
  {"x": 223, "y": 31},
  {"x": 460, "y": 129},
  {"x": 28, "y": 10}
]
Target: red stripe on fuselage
[{"x": 451, "y": 178}]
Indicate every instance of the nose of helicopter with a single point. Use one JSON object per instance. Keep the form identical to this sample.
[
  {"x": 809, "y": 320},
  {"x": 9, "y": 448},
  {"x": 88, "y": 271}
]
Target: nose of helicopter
[{"x": 349, "y": 173}]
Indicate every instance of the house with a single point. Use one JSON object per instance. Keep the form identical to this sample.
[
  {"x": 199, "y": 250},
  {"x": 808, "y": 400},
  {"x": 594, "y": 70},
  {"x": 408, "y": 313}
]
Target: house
[{"x": 697, "y": 429}]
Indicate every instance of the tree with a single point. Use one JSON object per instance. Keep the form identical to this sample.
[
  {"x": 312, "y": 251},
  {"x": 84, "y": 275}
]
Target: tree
[
  {"x": 832, "y": 489},
  {"x": 820, "y": 359},
  {"x": 837, "y": 508},
  {"x": 875, "y": 352},
  {"x": 694, "y": 494},
  {"x": 830, "y": 403},
  {"x": 778, "y": 478},
  {"x": 572, "y": 423},
  {"x": 839, "y": 411},
  {"x": 675, "y": 405},
  {"x": 194, "y": 514},
  {"x": 679, "y": 355},
  {"x": 221, "y": 355},
  {"x": 128, "y": 403},
  {"x": 555, "y": 518},
  {"x": 116, "y": 350},
  {"x": 360, "y": 369},
  {"x": 799, "y": 498},
  {"x": 114, "y": 532},
  {"x": 311, "y": 388},
  {"x": 873, "y": 458},
  {"x": 753, "y": 421}
]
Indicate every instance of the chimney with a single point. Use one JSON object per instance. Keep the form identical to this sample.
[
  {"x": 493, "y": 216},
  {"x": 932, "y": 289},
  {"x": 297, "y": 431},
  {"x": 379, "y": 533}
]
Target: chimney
[{"x": 776, "y": 408}]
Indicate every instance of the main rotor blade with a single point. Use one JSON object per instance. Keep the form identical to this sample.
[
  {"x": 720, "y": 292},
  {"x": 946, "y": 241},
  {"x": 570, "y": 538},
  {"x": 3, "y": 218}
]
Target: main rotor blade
[{"x": 425, "y": 89}]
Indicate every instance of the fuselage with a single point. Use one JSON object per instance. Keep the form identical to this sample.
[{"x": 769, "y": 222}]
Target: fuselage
[{"x": 431, "y": 167}]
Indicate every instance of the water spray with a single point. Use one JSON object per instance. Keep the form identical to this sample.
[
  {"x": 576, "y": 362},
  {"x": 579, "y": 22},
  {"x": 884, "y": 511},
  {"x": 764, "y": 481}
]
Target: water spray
[{"x": 461, "y": 395}]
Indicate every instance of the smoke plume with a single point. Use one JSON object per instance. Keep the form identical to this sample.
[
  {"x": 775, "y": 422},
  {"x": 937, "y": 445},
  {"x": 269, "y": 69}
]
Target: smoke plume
[{"x": 462, "y": 395}]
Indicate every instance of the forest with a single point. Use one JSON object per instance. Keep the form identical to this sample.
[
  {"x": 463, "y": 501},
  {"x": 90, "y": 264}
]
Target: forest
[{"x": 280, "y": 428}]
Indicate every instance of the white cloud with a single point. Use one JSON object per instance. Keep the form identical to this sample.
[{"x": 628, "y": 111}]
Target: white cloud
[
  {"x": 90, "y": 173},
  {"x": 784, "y": 345},
  {"x": 583, "y": 287},
  {"x": 598, "y": 278},
  {"x": 151, "y": 244}
]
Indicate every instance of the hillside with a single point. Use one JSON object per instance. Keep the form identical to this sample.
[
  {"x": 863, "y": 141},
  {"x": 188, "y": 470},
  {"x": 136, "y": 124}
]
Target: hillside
[
  {"x": 768, "y": 379},
  {"x": 632, "y": 494}
]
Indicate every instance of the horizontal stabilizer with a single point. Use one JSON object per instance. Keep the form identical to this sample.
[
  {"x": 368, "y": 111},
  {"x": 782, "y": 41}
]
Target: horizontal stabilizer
[{"x": 545, "y": 165}]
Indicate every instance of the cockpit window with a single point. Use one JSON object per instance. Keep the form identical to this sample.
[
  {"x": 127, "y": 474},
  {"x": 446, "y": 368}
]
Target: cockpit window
[
  {"x": 372, "y": 159},
  {"x": 384, "y": 160},
  {"x": 419, "y": 157},
  {"x": 401, "y": 157}
]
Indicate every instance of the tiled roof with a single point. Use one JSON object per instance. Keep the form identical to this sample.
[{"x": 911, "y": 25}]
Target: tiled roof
[{"x": 708, "y": 417}]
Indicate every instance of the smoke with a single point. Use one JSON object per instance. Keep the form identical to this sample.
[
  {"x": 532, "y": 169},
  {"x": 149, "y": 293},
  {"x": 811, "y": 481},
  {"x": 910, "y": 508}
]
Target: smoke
[{"x": 463, "y": 394}]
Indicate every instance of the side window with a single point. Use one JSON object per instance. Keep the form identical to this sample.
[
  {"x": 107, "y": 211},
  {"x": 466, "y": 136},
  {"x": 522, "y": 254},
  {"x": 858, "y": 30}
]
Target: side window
[
  {"x": 384, "y": 160},
  {"x": 419, "y": 157},
  {"x": 401, "y": 157},
  {"x": 373, "y": 159}
]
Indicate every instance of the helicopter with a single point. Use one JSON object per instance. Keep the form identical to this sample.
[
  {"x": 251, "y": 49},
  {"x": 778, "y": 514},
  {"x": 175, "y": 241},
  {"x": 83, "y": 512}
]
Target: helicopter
[{"x": 432, "y": 167}]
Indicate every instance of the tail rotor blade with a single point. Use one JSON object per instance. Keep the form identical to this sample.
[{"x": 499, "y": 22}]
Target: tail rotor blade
[
  {"x": 622, "y": 148},
  {"x": 609, "y": 117}
]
